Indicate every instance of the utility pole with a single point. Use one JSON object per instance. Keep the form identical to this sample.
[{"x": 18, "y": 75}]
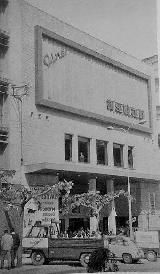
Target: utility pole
[{"x": 19, "y": 92}]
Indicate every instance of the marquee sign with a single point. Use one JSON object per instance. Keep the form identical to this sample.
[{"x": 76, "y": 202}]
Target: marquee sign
[
  {"x": 73, "y": 78},
  {"x": 125, "y": 110}
]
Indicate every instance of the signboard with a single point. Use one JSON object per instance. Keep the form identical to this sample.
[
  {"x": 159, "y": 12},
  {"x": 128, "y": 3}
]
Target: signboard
[
  {"x": 44, "y": 209},
  {"x": 48, "y": 209},
  {"x": 125, "y": 110},
  {"x": 72, "y": 78}
]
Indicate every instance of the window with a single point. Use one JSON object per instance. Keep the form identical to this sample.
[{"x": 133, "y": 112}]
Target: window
[
  {"x": 68, "y": 147},
  {"x": 38, "y": 232},
  {"x": 1, "y": 107},
  {"x": 152, "y": 202},
  {"x": 101, "y": 148},
  {"x": 118, "y": 155},
  {"x": 159, "y": 140},
  {"x": 130, "y": 157},
  {"x": 83, "y": 149}
]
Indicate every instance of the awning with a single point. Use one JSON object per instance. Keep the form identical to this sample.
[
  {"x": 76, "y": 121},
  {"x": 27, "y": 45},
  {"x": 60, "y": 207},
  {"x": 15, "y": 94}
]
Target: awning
[{"x": 89, "y": 169}]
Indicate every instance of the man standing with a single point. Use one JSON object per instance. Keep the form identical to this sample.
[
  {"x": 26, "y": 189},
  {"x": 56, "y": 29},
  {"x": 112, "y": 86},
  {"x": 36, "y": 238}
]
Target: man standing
[
  {"x": 16, "y": 243},
  {"x": 6, "y": 245}
]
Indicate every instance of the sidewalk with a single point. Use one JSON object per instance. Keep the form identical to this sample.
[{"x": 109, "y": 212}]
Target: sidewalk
[{"x": 28, "y": 268}]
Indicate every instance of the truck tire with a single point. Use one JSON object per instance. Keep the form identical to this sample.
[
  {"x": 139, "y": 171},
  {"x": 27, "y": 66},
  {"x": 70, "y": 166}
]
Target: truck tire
[
  {"x": 84, "y": 259},
  {"x": 127, "y": 258},
  {"x": 151, "y": 256},
  {"x": 37, "y": 258}
]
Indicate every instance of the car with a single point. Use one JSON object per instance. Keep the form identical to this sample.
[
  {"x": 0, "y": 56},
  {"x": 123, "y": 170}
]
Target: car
[{"x": 124, "y": 248}]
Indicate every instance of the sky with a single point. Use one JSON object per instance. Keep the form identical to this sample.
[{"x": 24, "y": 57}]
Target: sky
[{"x": 129, "y": 25}]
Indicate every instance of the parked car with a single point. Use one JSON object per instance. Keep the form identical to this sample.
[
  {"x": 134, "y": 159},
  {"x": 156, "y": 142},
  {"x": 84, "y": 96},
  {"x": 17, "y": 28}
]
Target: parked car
[
  {"x": 123, "y": 248},
  {"x": 149, "y": 242}
]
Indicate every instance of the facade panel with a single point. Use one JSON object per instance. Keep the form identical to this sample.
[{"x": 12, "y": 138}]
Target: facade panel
[{"x": 79, "y": 89}]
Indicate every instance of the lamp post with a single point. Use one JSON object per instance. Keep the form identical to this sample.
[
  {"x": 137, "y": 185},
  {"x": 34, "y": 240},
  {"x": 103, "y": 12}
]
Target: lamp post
[{"x": 128, "y": 178}]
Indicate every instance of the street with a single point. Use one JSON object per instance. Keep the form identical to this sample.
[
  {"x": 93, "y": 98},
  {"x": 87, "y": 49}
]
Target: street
[{"x": 61, "y": 267}]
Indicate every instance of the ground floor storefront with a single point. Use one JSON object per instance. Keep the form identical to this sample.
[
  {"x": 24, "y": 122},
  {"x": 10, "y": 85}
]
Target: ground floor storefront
[{"x": 145, "y": 206}]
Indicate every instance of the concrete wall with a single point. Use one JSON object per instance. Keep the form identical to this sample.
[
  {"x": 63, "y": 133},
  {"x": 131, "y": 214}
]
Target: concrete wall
[
  {"x": 85, "y": 85},
  {"x": 43, "y": 137}
]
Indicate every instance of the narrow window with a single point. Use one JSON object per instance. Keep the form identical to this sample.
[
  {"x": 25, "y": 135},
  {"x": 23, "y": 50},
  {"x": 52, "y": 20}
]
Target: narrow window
[
  {"x": 152, "y": 203},
  {"x": 83, "y": 149},
  {"x": 68, "y": 147},
  {"x": 159, "y": 140},
  {"x": 101, "y": 148},
  {"x": 130, "y": 157},
  {"x": 118, "y": 155},
  {"x": 1, "y": 106}
]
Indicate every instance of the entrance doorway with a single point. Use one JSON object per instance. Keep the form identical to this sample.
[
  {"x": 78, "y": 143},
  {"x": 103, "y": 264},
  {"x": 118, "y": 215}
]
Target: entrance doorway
[{"x": 76, "y": 224}]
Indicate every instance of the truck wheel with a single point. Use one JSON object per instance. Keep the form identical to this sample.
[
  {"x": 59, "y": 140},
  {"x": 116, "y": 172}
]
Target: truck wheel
[
  {"x": 127, "y": 258},
  {"x": 151, "y": 256},
  {"x": 84, "y": 259},
  {"x": 37, "y": 258}
]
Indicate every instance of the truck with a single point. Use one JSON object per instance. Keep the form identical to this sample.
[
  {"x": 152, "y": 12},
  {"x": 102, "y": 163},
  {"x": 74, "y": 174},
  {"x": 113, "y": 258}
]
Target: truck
[{"x": 43, "y": 245}]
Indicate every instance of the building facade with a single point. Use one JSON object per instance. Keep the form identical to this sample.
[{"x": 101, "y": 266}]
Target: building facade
[{"x": 87, "y": 115}]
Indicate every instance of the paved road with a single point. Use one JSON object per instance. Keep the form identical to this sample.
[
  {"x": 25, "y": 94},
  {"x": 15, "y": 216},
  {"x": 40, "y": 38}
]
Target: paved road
[{"x": 64, "y": 268}]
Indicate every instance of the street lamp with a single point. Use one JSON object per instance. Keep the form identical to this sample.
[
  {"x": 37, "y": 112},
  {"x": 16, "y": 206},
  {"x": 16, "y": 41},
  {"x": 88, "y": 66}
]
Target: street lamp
[{"x": 128, "y": 177}]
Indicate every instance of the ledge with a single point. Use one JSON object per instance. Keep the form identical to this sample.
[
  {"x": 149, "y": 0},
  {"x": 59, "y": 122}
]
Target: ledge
[
  {"x": 93, "y": 116},
  {"x": 88, "y": 169}
]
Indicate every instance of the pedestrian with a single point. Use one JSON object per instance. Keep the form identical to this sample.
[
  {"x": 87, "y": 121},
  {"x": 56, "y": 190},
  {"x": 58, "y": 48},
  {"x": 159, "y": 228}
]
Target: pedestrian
[
  {"x": 16, "y": 243},
  {"x": 6, "y": 246}
]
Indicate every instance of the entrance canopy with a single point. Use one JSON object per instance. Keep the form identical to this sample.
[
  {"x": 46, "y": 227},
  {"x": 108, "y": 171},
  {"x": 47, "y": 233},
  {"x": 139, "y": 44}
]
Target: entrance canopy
[{"x": 56, "y": 169}]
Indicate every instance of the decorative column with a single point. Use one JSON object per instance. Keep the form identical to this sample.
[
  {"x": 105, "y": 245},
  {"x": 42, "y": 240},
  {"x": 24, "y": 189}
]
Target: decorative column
[
  {"x": 93, "y": 220},
  {"x": 93, "y": 155},
  {"x": 66, "y": 224},
  {"x": 110, "y": 153},
  {"x": 112, "y": 215},
  {"x": 125, "y": 156},
  {"x": 74, "y": 148}
]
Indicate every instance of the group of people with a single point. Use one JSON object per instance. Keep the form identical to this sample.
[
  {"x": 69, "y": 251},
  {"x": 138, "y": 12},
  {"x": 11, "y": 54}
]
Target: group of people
[
  {"x": 81, "y": 233},
  {"x": 9, "y": 246}
]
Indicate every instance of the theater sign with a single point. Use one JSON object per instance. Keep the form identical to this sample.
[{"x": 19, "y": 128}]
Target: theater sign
[
  {"x": 125, "y": 110},
  {"x": 73, "y": 78}
]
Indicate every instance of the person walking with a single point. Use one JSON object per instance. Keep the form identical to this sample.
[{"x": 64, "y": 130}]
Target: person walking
[
  {"x": 16, "y": 243},
  {"x": 6, "y": 246}
]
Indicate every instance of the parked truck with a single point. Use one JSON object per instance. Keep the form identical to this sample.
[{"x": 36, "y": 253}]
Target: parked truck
[{"x": 43, "y": 245}]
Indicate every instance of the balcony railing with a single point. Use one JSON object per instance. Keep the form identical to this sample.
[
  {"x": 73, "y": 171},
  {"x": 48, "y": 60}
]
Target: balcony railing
[
  {"x": 4, "y": 82},
  {"x": 4, "y": 39},
  {"x": 3, "y": 5},
  {"x": 3, "y": 135}
]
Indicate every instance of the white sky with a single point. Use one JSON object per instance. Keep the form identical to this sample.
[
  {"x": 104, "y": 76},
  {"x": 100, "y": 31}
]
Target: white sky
[{"x": 127, "y": 24}]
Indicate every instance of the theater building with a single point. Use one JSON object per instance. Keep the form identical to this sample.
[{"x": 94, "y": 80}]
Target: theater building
[{"x": 88, "y": 115}]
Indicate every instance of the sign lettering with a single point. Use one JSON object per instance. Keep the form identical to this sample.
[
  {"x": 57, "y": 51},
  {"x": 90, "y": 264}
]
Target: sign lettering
[
  {"x": 125, "y": 109},
  {"x": 50, "y": 59}
]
